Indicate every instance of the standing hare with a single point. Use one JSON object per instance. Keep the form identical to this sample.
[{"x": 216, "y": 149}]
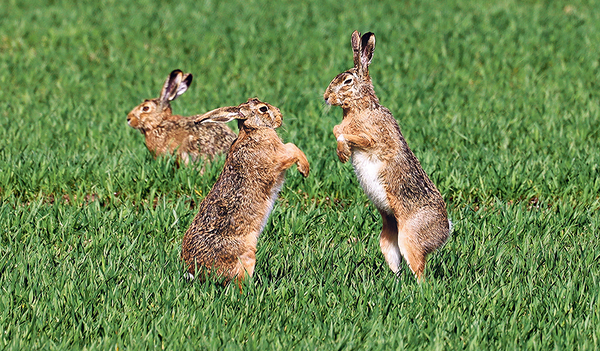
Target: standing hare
[
  {"x": 415, "y": 222},
  {"x": 166, "y": 133},
  {"x": 222, "y": 237}
]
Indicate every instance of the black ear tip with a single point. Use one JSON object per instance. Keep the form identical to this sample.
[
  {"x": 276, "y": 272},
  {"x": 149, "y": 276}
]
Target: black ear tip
[
  {"x": 365, "y": 38},
  {"x": 175, "y": 73}
]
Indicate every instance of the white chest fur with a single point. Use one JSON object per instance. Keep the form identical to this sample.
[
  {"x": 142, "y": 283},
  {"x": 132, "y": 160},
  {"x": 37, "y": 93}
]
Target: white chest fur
[
  {"x": 367, "y": 169},
  {"x": 274, "y": 193}
]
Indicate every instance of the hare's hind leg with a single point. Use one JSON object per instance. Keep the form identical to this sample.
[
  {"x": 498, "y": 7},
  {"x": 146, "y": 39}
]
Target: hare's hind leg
[
  {"x": 420, "y": 235},
  {"x": 411, "y": 248},
  {"x": 388, "y": 241},
  {"x": 246, "y": 264},
  {"x": 246, "y": 256},
  {"x": 244, "y": 268}
]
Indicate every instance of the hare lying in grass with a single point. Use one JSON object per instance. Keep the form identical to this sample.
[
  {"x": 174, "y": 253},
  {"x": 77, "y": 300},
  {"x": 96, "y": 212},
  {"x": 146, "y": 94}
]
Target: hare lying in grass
[
  {"x": 415, "y": 221},
  {"x": 166, "y": 133},
  {"x": 222, "y": 237}
]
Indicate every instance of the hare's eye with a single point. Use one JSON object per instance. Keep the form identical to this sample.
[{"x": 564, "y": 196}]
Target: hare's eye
[
  {"x": 348, "y": 81},
  {"x": 263, "y": 109},
  {"x": 145, "y": 108}
]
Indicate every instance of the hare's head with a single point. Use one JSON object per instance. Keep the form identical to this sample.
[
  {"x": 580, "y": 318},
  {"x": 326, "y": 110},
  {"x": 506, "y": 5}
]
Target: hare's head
[
  {"x": 151, "y": 113},
  {"x": 354, "y": 87},
  {"x": 252, "y": 114},
  {"x": 257, "y": 114}
]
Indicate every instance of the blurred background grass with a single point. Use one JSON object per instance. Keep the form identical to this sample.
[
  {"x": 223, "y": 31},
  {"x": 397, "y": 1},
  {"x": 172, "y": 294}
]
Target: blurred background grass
[{"x": 499, "y": 101}]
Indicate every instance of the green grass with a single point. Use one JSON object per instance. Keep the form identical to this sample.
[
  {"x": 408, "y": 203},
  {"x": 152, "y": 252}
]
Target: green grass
[{"x": 500, "y": 102}]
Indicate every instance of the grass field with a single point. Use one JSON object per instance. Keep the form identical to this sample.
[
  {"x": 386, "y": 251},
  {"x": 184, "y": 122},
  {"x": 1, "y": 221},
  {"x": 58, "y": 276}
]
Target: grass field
[{"x": 500, "y": 102}]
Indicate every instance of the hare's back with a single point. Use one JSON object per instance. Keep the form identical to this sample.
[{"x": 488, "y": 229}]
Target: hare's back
[{"x": 212, "y": 138}]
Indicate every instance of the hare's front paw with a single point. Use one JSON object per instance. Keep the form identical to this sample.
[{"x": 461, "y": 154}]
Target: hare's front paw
[
  {"x": 343, "y": 150},
  {"x": 337, "y": 130},
  {"x": 303, "y": 168}
]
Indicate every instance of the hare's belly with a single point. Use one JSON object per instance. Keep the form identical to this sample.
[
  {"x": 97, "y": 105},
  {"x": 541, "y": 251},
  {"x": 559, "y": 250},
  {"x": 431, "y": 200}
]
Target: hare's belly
[
  {"x": 367, "y": 171},
  {"x": 271, "y": 202}
]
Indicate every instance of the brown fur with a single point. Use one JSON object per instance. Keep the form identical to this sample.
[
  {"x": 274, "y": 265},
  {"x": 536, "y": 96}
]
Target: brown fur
[
  {"x": 222, "y": 237},
  {"x": 166, "y": 133},
  {"x": 414, "y": 217}
]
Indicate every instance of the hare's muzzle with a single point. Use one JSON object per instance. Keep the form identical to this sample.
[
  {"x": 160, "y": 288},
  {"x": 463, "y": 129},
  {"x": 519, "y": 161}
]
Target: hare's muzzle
[
  {"x": 131, "y": 121},
  {"x": 326, "y": 97}
]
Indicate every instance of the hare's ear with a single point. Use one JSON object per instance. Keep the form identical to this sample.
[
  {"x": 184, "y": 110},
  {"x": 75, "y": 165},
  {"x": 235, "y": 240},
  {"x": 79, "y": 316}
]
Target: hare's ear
[
  {"x": 367, "y": 46},
  {"x": 184, "y": 85},
  {"x": 221, "y": 115},
  {"x": 169, "y": 90},
  {"x": 356, "y": 48}
]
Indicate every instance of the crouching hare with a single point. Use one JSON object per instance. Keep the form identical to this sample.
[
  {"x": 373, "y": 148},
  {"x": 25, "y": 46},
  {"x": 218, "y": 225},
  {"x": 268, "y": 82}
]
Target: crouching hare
[
  {"x": 222, "y": 238},
  {"x": 415, "y": 222},
  {"x": 166, "y": 133}
]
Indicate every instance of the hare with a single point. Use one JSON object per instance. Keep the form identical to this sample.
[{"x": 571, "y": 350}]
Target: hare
[
  {"x": 415, "y": 222},
  {"x": 222, "y": 237},
  {"x": 166, "y": 133}
]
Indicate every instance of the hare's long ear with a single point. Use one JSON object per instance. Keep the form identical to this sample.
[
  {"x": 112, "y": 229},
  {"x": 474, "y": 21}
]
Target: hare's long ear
[
  {"x": 184, "y": 85},
  {"x": 367, "y": 46},
  {"x": 172, "y": 89},
  {"x": 221, "y": 115},
  {"x": 356, "y": 48}
]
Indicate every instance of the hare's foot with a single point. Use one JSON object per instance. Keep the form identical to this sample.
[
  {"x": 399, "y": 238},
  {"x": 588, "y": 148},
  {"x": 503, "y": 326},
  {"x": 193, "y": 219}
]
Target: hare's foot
[
  {"x": 343, "y": 149},
  {"x": 388, "y": 241}
]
